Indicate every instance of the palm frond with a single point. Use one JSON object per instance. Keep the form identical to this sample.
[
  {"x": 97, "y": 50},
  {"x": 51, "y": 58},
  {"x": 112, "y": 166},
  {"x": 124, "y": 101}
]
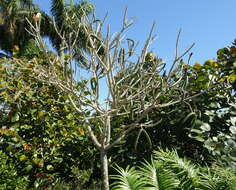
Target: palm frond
[
  {"x": 58, "y": 10},
  {"x": 167, "y": 171},
  {"x": 126, "y": 179},
  {"x": 218, "y": 179},
  {"x": 83, "y": 8},
  {"x": 187, "y": 173},
  {"x": 156, "y": 177}
]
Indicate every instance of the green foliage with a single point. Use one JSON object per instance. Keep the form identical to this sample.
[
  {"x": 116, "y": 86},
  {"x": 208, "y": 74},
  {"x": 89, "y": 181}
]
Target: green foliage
[
  {"x": 157, "y": 177},
  {"x": 201, "y": 128},
  {"x": 218, "y": 178},
  {"x": 40, "y": 131},
  {"x": 220, "y": 143},
  {"x": 16, "y": 41},
  {"x": 168, "y": 171},
  {"x": 30, "y": 50},
  {"x": 187, "y": 173},
  {"x": 47, "y": 145},
  {"x": 214, "y": 126},
  {"x": 127, "y": 179},
  {"x": 9, "y": 177}
]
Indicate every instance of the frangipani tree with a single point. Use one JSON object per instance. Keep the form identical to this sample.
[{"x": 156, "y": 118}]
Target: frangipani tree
[{"x": 135, "y": 83}]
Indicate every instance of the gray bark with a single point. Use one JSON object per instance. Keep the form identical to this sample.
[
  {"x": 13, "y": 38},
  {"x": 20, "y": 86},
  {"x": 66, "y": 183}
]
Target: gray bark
[{"x": 104, "y": 170}]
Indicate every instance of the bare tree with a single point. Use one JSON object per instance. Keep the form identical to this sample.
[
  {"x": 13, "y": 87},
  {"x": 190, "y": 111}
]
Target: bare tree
[{"x": 125, "y": 76}]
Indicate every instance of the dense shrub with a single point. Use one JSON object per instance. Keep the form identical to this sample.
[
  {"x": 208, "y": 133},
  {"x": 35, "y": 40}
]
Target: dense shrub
[{"x": 9, "y": 177}]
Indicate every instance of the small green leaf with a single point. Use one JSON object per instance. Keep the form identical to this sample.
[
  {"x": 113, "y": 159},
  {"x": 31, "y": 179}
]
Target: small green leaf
[
  {"x": 26, "y": 127},
  {"x": 15, "y": 118},
  {"x": 215, "y": 139},
  {"x": 86, "y": 93},
  {"x": 57, "y": 160},
  {"x": 214, "y": 105},
  {"x": 199, "y": 138},
  {"x": 232, "y": 77},
  {"x": 196, "y": 131},
  {"x": 69, "y": 116},
  {"x": 205, "y": 127},
  {"x": 23, "y": 157},
  {"x": 50, "y": 167},
  {"x": 33, "y": 111},
  {"x": 28, "y": 168},
  {"x": 233, "y": 120},
  {"x": 41, "y": 114},
  {"x": 232, "y": 129}
]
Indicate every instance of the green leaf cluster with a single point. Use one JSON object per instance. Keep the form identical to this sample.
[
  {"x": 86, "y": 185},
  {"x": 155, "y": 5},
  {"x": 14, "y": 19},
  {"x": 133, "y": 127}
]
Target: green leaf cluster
[{"x": 40, "y": 131}]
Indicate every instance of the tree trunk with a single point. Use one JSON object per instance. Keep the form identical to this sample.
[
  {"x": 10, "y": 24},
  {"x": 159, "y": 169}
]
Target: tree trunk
[{"x": 104, "y": 170}]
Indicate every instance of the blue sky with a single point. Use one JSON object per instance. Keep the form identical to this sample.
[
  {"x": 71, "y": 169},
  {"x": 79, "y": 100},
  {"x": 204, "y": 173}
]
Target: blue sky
[{"x": 208, "y": 23}]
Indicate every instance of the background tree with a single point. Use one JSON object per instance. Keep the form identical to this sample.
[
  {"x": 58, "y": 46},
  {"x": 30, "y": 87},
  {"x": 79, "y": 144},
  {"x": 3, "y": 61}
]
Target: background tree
[
  {"x": 191, "y": 126},
  {"x": 13, "y": 23},
  {"x": 214, "y": 125},
  {"x": 67, "y": 17}
]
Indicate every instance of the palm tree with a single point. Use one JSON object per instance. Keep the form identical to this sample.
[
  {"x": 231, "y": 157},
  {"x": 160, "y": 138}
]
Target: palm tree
[
  {"x": 167, "y": 171},
  {"x": 13, "y": 23},
  {"x": 67, "y": 18}
]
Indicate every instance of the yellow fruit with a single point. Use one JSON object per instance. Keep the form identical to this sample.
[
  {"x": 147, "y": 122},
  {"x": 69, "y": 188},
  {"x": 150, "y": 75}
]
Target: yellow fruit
[
  {"x": 215, "y": 65},
  {"x": 232, "y": 77},
  {"x": 23, "y": 157},
  {"x": 209, "y": 62},
  {"x": 197, "y": 66}
]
